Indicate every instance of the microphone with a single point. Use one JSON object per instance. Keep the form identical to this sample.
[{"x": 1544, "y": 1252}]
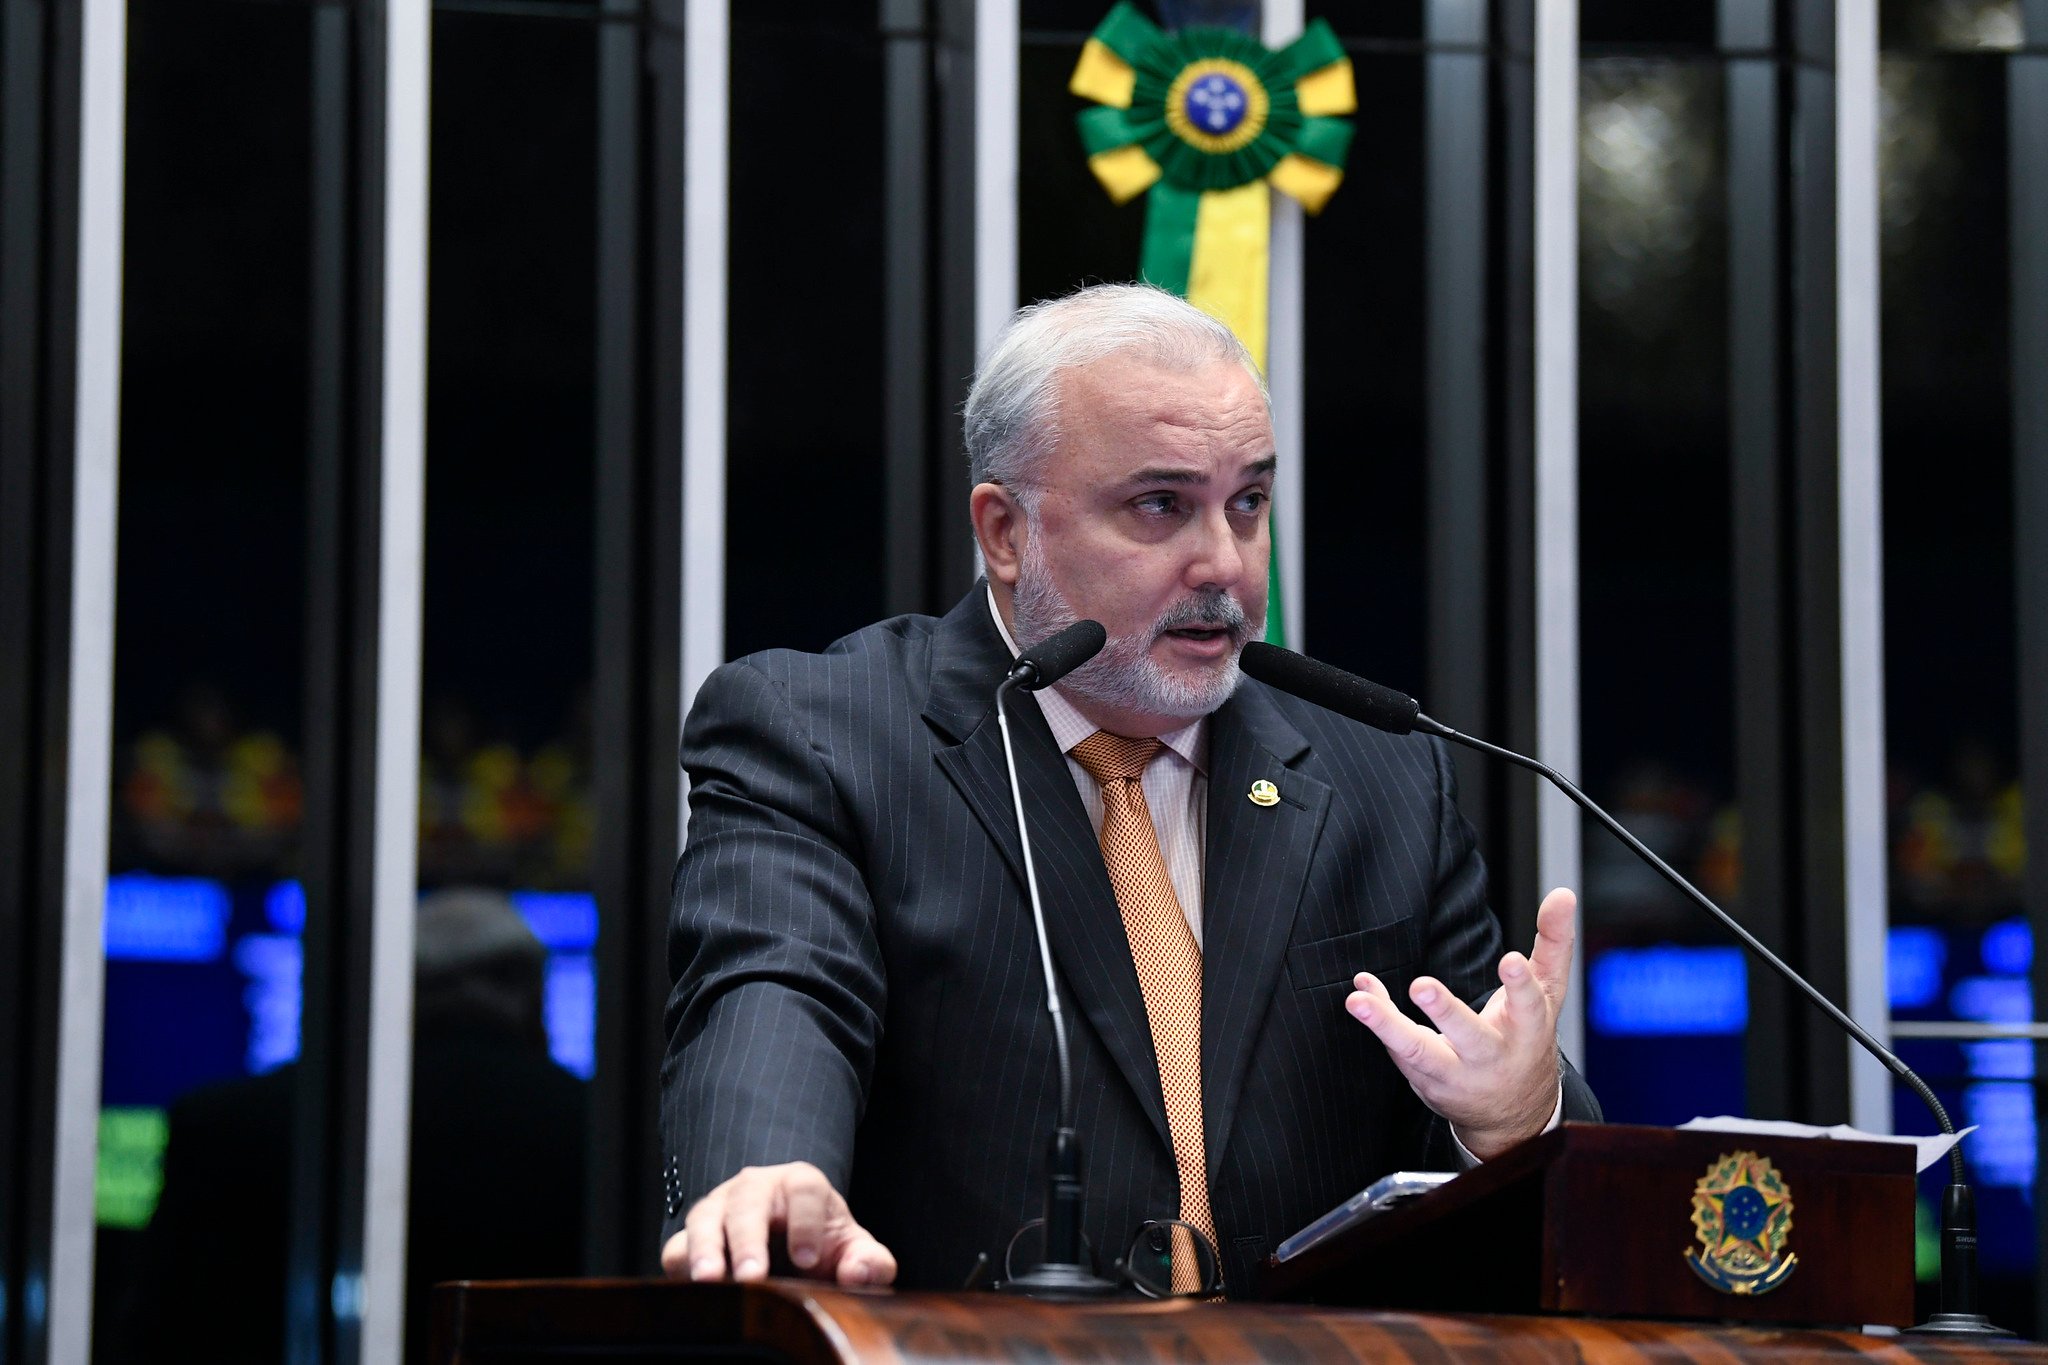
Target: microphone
[
  {"x": 1057, "y": 655},
  {"x": 1385, "y": 709},
  {"x": 1061, "y": 1274},
  {"x": 1334, "y": 690}
]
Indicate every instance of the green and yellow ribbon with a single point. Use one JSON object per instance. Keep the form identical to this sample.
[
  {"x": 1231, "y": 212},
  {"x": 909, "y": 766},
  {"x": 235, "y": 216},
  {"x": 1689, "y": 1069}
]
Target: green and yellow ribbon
[
  {"x": 1205, "y": 123},
  {"x": 1202, "y": 121}
]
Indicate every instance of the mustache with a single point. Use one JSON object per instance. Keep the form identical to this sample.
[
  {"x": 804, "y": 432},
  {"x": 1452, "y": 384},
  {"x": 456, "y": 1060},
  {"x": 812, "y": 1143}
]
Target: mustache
[{"x": 1215, "y": 608}]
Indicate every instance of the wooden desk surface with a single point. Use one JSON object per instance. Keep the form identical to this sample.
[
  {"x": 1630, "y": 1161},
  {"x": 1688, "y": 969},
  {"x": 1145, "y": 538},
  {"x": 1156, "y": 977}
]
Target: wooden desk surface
[{"x": 528, "y": 1322}]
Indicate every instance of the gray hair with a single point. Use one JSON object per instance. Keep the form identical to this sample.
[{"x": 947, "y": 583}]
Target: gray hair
[
  {"x": 476, "y": 964},
  {"x": 1013, "y": 410}
]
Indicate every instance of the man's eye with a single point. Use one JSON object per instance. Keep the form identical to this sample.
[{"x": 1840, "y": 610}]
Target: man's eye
[
  {"x": 1253, "y": 501},
  {"x": 1157, "y": 503}
]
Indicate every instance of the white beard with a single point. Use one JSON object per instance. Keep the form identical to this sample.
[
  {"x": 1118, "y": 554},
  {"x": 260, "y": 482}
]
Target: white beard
[{"x": 1125, "y": 676}]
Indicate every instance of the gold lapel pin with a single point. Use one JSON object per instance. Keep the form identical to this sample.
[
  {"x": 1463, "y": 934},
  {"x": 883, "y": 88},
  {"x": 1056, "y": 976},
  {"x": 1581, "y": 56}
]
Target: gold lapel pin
[{"x": 1264, "y": 793}]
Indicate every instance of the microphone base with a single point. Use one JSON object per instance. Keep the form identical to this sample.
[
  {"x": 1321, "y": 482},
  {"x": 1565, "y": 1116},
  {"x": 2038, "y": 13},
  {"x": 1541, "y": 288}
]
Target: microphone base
[
  {"x": 1958, "y": 1325},
  {"x": 1060, "y": 1284}
]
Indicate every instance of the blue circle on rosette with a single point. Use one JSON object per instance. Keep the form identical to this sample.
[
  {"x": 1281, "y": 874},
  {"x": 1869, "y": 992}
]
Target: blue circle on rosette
[
  {"x": 1215, "y": 104},
  {"x": 1744, "y": 1212}
]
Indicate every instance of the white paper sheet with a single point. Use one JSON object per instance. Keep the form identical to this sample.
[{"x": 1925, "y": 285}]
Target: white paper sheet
[{"x": 1928, "y": 1150}]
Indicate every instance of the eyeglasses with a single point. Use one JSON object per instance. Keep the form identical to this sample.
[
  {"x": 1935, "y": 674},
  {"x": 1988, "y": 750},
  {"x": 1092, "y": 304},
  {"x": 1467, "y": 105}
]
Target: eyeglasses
[{"x": 1146, "y": 1265}]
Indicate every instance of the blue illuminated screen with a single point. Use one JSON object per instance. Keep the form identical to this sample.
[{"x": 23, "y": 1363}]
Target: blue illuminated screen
[{"x": 204, "y": 980}]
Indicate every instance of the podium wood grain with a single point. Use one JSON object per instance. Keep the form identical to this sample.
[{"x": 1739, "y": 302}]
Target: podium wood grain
[{"x": 559, "y": 1321}]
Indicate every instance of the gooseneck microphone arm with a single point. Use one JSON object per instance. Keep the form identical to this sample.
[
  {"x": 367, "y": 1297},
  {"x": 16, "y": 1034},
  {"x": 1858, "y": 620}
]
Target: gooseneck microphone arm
[
  {"x": 1062, "y": 1274},
  {"x": 1728, "y": 921},
  {"x": 1052, "y": 989},
  {"x": 1385, "y": 709},
  {"x": 1959, "y": 1313}
]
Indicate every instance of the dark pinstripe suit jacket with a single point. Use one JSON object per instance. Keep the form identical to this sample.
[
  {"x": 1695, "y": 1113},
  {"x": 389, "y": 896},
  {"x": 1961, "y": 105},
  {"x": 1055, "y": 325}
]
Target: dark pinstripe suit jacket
[{"x": 857, "y": 983}]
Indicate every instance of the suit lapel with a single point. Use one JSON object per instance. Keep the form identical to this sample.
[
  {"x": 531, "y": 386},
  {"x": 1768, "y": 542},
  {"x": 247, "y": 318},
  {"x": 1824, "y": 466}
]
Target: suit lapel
[
  {"x": 1257, "y": 864},
  {"x": 1081, "y": 916}
]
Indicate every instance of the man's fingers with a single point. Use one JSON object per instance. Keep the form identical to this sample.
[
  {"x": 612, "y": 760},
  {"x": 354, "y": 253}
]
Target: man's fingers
[
  {"x": 1371, "y": 985},
  {"x": 1415, "y": 1049},
  {"x": 704, "y": 1234},
  {"x": 730, "y": 1230},
  {"x": 815, "y": 1213},
  {"x": 1556, "y": 933},
  {"x": 1467, "y": 1034},
  {"x": 1526, "y": 1000},
  {"x": 865, "y": 1260},
  {"x": 750, "y": 1208},
  {"x": 675, "y": 1256}
]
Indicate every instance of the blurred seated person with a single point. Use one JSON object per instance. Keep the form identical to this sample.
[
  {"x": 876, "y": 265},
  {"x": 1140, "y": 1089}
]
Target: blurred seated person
[{"x": 496, "y": 1180}]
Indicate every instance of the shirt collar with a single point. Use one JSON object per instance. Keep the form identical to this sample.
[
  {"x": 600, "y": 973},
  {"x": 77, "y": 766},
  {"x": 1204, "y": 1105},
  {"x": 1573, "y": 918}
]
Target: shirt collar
[{"x": 1069, "y": 727}]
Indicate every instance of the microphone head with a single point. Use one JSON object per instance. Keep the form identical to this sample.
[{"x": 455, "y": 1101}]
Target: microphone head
[
  {"x": 1059, "y": 654},
  {"x": 1345, "y": 693}
]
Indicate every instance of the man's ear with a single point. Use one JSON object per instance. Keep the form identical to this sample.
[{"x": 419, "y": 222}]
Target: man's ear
[{"x": 999, "y": 529}]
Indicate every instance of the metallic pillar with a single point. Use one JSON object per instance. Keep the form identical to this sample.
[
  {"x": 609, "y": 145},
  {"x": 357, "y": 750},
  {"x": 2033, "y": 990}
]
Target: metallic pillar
[
  {"x": 63, "y": 90},
  {"x": 1556, "y": 567}
]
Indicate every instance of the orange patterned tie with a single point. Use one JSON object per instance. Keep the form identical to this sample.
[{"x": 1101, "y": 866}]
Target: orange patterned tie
[{"x": 1169, "y": 969}]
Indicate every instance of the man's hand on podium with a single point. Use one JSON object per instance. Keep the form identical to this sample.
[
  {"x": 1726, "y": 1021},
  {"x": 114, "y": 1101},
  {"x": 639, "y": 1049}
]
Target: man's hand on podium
[
  {"x": 1493, "y": 1073},
  {"x": 726, "y": 1234}
]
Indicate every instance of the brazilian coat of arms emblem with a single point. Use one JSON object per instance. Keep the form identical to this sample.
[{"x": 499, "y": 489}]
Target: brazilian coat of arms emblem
[{"x": 1742, "y": 1217}]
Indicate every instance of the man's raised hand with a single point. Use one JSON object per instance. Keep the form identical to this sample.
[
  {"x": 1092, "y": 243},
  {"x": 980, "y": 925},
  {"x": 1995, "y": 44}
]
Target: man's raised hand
[
  {"x": 1492, "y": 1073},
  {"x": 727, "y": 1233}
]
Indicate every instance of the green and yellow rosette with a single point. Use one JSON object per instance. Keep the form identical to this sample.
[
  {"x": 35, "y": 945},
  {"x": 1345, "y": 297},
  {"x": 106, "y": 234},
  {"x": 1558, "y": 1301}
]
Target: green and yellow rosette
[{"x": 1202, "y": 121}]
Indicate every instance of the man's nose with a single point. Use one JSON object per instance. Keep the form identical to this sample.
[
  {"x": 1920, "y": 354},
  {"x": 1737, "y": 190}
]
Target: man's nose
[{"x": 1218, "y": 557}]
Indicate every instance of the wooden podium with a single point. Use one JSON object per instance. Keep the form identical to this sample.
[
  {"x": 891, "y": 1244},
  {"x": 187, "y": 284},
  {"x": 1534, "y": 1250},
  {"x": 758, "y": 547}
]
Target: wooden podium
[
  {"x": 1597, "y": 1218},
  {"x": 1572, "y": 1247},
  {"x": 554, "y": 1322}
]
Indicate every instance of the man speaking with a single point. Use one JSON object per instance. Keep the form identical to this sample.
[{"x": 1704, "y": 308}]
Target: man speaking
[{"x": 1254, "y": 905}]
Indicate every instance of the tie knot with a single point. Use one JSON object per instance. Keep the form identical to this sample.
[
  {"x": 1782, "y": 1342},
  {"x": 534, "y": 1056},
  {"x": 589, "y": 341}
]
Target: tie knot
[{"x": 1113, "y": 758}]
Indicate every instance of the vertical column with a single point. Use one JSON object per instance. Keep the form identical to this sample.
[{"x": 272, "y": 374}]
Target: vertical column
[
  {"x": 707, "y": 80},
  {"x": 24, "y": 363},
  {"x": 619, "y": 285},
  {"x": 962, "y": 195},
  {"x": 993, "y": 80},
  {"x": 1814, "y": 653},
  {"x": 394, "y": 819},
  {"x": 1511, "y": 811},
  {"x": 308, "y": 1256},
  {"x": 76, "y": 898},
  {"x": 640, "y": 612},
  {"x": 2027, "y": 125},
  {"x": 1756, "y": 165},
  {"x": 1281, "y": 22},
  {"x": 1861, "y": 570},
  {"x": 367, "y": 493},
  {"x": 995, "y": 168},
  {"x": 614, "y": 1165},
  {"x": 330, "y": 429},
  {"x": 1458, "y": 168},
  {"x": 63, "y": 97},
  {"x": 1808, "y": 612},
  {"x": 638, "y": 525},
  {"x": 1556, "y": 565},
  {"x": 906, "y": 242}
]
